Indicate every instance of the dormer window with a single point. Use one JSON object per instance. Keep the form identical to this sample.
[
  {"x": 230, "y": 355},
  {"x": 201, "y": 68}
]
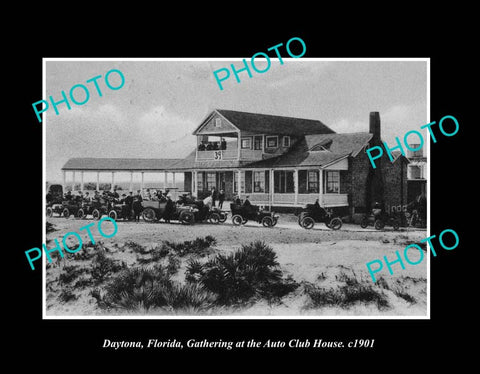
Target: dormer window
[
  {"x": 286, "y": 141},
  {"x": 272, "y": 141}
]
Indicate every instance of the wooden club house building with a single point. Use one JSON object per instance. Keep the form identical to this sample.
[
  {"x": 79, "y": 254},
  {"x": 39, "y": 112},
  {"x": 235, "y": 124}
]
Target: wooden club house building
[{"x": 277, "y": 161}]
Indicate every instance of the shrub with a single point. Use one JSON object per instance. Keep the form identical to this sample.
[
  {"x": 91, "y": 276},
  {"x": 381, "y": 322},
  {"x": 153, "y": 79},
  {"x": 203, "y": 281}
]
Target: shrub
[
  {"x": 237, "y": 277},
  {"x": 50, "y": 227},
  {"x": 69, "y": 273},
  {"x": 199, "y": 246},
  {"x": 145, "y": 288},
  {"x": 67, "y": 295},
  {"x": 136, "y": 247},
  {"x": 102, "y": 266}
]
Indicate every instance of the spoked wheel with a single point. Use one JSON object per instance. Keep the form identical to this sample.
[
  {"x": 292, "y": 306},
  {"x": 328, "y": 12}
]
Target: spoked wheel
[
  {"x": 49, "y": 212},
  {"x": 187, "y": 218},
  {"x": 148, "y": 215},
  {"x": 335, "y": 224},
  {"x": 379, "y": 224},
  {"x": 307, "y": 223},
  {"x": 96, "y": 214},
  {"x": 66, "y": 213},
  {"x": 396, "y": 224},
  {"x": 223, "y": 217},
  {"x": 267, "y": 221},
  {"x": 113, "y": 215},
  {"x": 214, "y": 218},
  {"x": 364, "y": 223},
  {"x": 237, "y": 220},
  {"x": 81, "y": 214}
]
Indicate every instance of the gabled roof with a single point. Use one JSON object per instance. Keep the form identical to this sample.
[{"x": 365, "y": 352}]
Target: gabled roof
[
  {"x": 269, "y": 124},
  {"x": 301, "y": 154}
]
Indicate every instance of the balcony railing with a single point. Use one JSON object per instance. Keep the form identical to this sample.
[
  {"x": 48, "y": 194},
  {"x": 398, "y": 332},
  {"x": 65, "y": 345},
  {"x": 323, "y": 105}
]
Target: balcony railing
[{"x": 221, "y": 154}]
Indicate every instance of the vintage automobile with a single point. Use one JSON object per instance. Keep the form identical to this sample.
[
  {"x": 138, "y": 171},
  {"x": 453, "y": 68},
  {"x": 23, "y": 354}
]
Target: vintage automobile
[
  {"x": 54, "y": 200},
  {"x": 96, "y": 208},
  {"x": 72, "y": 206},
  {"x": 242, "y": 214},
  {"x": 156, "y": 210},
  {"x": 380, "y": 220},
  {"x": 313, "y": 213},
  {"x": 204, "y": 213},
  {"x": 120, "y": 211}
]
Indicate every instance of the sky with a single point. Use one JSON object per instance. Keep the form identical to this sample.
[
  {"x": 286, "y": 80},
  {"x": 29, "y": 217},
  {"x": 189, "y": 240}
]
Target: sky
[{"x": 162, "y": 102}]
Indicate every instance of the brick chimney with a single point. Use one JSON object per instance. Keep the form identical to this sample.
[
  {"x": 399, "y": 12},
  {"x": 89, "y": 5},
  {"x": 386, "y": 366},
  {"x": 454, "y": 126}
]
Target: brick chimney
[
  {"x": 375, "y": 181},
  {"x": 375, "y": 128}
]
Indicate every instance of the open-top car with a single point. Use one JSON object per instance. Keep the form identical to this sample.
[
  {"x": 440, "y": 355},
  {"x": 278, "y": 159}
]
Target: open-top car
[
  {"x": 156, "y": 210},
  {"x": 379, "y": 221},
  {"x": 313, "y": 213},
  {"x": 241, "y": 214}
]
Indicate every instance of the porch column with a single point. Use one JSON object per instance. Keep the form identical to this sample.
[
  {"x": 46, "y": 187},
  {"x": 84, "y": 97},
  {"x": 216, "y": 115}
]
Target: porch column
[
  {"x": 98, "y": 181},
  {"x": 239, "y": 182},
  {"x": 113, "y": 181},
  {"x": 295, "y": 185},
  {"x": 141, "y": 185},
  {"x": 173, "y": 179},
  {"x": 130, "y": 188},
  {"x": 194, "y": 182},
  {"x": 320, "y": 187},
  {"x": 272, "y": 185},
  {"x": 73, "y": 181},
  {"x": 239, "y": 148},
  {"x": 81, "y": 181},
  {"x": 165, "y": 184},
  {"x": 64, "y": 178}
]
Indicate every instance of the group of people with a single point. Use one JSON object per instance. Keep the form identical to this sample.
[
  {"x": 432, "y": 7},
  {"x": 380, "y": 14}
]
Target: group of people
[
  {"x": 213, "y": 197},
  {"x": 213, "y": 146}
]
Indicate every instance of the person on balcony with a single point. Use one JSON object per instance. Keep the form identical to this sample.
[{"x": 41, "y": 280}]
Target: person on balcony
[{"x": 223, "y": 144}]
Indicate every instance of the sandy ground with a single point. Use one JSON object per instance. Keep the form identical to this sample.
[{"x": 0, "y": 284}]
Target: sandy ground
[{"x": 318, "y": 256}]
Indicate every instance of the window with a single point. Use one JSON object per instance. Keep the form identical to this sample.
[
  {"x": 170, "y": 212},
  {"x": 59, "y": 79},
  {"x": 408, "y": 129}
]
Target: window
[
  {"x": 332, "y": 182},
  {"x": 246, "y": 143},
  {"x": 312, "y": 181},
  {"x": 283, "y": 181},
  {"x": 286, "y": 141},
  {"x": 257, "y": 142},
  {"x": 199, "y": 181},
  {"x": 272, "y": 141},
  {"x": 218, "y": 122},
  {"x": 236, "y": 182},
  {"x": 211, "y": 181},
  {"x": 259, "y": 181}
]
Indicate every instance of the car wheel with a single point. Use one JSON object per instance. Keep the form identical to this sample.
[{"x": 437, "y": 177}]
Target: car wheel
[
  {"x": 335, "y": 224},
  {"x": 364, "y": 223},
  {"x": 113, "y": 215},
  {"x": 237, "y": 220},
  {"x": 187, "y": 218},
  {"x": 96, "y": 214},
  {"x": 308, "y": 223},
  {"x": 267, "y": 221},
  {"x": 379, "y": 224},
  {"x": 301, "y": 216},
  {"x": 275, "y": 221},
  {"x": 148, "y": 215},
  {"x": 223, "y": 217},
  {"x": 49, "y": 212},
  {"x": 396, "y": 224},
  {"x": 214, "y": 218},
  {"x": 81, "y": 214},
  {"x": 66, "y": 213}
]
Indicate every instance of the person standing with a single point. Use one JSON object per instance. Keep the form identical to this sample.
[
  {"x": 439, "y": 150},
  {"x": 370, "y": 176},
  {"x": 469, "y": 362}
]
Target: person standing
[
  {"x": 129, "y": 203},
  {"x": 137, "y": 206},
  {"x": 214, "y": 196},
  {"x": 221, "y": 199}
]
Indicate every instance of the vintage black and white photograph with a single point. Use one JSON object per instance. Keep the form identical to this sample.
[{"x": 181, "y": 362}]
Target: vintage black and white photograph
[{"x": 232, "y": 188}]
